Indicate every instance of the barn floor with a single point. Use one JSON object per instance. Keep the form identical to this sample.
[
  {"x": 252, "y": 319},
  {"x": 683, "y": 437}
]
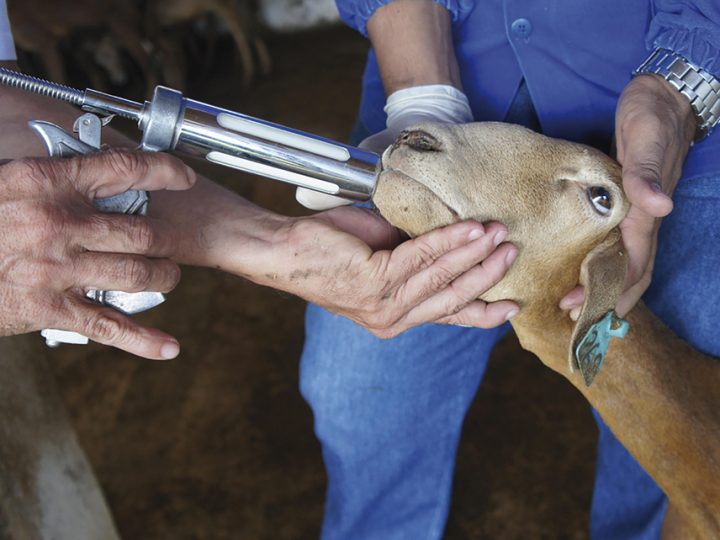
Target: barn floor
[{"x": 218, "y": 444}]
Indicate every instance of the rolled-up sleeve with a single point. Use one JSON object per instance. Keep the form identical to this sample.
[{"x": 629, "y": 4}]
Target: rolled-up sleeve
[
  {"x": 690, "y": 28},
  {"x": 7, "y": 47},
  {"x": 357, "y": 13}
]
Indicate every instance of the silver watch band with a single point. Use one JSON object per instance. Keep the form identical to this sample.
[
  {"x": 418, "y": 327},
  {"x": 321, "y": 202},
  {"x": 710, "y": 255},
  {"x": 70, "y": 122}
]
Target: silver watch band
[{"x": 700, "y": 87}]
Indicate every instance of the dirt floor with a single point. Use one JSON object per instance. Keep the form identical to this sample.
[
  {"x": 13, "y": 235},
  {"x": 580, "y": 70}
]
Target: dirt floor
[{"x": 218, "y": 444}]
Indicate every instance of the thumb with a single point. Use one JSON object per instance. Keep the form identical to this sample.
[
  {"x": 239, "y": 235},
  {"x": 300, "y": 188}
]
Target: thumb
[
  {"x": 642, "y": 163},
  {"x": 365, "y": 225}
]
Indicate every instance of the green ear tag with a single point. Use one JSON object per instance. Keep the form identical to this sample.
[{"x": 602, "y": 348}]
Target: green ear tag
[{"x": 590, "y": 351}]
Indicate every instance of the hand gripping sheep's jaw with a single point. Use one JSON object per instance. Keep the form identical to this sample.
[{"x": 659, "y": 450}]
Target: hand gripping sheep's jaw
[{"x": 560, "y": 201}]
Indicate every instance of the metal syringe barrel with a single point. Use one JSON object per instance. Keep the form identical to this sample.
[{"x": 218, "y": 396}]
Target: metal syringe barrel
[{"x": 171, "y": 121}]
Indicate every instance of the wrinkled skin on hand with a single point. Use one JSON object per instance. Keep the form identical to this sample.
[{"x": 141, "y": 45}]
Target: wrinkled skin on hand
[
  {"x": 54, "y": 246},
  {"x": 341, "y": 259},
  {"x": 654, "y": 127},
  {"x": 348, "y": 260}
]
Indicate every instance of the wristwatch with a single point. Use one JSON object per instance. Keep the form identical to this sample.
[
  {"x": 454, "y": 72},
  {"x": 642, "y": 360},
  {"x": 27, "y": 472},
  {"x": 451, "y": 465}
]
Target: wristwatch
[{"x": 700, "y": 87}]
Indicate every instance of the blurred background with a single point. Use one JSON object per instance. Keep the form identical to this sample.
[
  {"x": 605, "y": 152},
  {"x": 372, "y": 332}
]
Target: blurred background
[{"x": 218, "y": 444}]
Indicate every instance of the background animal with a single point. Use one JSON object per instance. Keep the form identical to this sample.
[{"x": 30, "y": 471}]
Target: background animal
[
  {"x": 115, "y": 43},
  {"x": 61, "y": 30},
  {"x": 238, "y": 17},
  {"x": 294, "y": 15}
]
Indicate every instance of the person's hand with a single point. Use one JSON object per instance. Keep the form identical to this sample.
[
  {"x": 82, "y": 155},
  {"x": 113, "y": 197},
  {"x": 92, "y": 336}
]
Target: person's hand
[
  {"x": 340, "y": 259},
  {"x": 654, "y": 128},
  {"x": 54, "y": 246}
]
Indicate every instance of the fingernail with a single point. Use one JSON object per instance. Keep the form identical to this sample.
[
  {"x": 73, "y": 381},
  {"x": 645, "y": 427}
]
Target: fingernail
[
  {"x": 511, "y": 256},
  {"x": 575, "y": 313},
  {"x": 511, "y": 314},
  {"x": 191, "y": 174},
  {"x": 499, "y": 237},
  {"x": 170, "y": 350},
  {"x": 656, "y": 187},
  {"x": 475, "y": 234}
]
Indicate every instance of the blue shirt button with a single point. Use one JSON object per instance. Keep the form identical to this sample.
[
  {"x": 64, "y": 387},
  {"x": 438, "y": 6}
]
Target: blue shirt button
[{"x": 521, "y": 28}]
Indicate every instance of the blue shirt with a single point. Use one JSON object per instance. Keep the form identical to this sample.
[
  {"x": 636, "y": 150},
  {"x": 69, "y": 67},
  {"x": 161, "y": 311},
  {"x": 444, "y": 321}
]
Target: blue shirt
[
  {"x": 7, "y": 47},
  {"x": 576, "y": 57}
]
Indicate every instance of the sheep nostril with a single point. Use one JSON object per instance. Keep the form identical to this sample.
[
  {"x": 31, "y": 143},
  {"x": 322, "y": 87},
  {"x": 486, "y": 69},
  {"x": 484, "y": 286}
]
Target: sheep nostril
[{"x": 419, "y": 140}]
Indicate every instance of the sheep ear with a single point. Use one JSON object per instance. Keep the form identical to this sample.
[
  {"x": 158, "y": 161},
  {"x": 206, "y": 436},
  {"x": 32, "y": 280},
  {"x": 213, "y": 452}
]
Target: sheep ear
[{"x": 602, "y": 274}]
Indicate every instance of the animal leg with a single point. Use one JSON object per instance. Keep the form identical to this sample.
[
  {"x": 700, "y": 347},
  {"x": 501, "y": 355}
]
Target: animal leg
[
  {"x": 54, "y": 65},
  {"x": 230, "y": 16},
  {"x": 47, "y": 487},
  {"x": 263, "y": 54}
]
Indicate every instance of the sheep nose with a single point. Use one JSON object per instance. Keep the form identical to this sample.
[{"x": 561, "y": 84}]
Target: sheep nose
[{"x": 417, "y": 139}]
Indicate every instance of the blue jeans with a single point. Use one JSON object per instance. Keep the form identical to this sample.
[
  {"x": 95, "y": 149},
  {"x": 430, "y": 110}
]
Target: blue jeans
[{"x": 389, "y": 413}]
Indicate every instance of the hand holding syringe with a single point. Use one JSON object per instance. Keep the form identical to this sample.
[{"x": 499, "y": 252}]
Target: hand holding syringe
[{"x": 171, "y": 122}]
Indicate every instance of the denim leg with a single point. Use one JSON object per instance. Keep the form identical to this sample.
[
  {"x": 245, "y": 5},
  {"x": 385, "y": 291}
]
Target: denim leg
[
  {"x": 627, "y": 504},
  {"x": 388, "y": 414}
]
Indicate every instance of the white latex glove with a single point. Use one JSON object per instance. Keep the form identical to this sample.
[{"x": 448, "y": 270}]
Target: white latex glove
[{"x": 404, "y": 108}]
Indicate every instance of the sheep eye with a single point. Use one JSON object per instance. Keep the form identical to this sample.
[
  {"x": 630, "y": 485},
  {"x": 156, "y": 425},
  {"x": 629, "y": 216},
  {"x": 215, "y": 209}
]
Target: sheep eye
[{"x": 600, "y": 199}]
